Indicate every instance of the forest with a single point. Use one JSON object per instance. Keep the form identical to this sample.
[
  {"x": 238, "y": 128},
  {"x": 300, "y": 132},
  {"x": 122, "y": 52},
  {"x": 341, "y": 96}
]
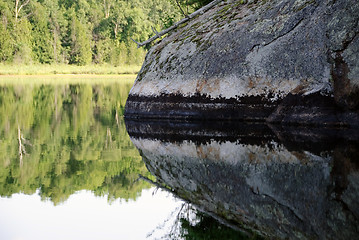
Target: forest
[{"x": 82, "y": 32}]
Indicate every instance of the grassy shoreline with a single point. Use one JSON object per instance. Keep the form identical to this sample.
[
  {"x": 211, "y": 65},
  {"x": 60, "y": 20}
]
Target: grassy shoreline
[
  {"x": 61, "y": 79},
  {"x": 62, "y": 69}
]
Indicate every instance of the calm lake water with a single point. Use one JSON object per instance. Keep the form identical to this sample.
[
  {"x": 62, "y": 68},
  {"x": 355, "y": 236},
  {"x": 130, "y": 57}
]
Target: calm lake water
[
  {"x": 68, "y": 169},
  {"x": 71, "y": 167}
]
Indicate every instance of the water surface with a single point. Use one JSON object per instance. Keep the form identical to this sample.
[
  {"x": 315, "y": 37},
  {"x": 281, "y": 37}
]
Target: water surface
[
  {"x": 280, "y": 182},
  {"x": 71, "y": 167},
  {"x": 68, "y": 169}
]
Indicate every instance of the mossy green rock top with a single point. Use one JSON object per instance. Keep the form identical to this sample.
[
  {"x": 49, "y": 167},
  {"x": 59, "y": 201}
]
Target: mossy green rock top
[{"x": 289, "y": 61}]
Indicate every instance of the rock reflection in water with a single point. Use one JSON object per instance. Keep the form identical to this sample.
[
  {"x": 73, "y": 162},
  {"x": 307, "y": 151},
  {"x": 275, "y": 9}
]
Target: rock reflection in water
[{"x": 284, "y": 183}]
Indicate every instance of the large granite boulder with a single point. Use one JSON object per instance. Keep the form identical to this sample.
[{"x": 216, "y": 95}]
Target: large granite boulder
[{"x": 291, "y": 61}]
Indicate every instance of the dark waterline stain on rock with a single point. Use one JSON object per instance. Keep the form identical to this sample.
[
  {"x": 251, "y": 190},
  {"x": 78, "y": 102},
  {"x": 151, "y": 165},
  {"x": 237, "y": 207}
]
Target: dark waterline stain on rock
[
  {"x": 295, "y": 109},
  {"x": 199, "y": 107}
]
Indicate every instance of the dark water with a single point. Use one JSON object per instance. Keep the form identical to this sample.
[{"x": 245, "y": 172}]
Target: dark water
[
  {"x": 279, "y": 182},
  {"x": 72, "y": 168}
]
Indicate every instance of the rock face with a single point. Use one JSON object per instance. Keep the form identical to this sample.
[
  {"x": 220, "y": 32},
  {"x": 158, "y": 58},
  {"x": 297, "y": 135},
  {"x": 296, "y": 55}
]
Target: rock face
[
  {"x": 292, "y": 61},
  {"x": 281, "y": 183}
]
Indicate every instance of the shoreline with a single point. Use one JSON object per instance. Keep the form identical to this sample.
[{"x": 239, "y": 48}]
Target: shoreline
[
  {"x": 62, "y": 69},
  {"x": 72, "y": 75},
  {"x": 66, "y": 79}
]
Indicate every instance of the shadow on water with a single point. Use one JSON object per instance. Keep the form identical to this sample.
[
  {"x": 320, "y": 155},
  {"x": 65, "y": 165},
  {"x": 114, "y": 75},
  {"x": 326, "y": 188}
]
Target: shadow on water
[{"x": 274, "y": 181}]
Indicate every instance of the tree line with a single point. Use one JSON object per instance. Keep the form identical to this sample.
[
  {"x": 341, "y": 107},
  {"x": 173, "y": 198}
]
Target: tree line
[{"x": 83, "y": 31}]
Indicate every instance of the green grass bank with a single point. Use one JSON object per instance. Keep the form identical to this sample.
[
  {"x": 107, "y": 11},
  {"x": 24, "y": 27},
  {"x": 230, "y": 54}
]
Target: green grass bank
[{"x": 42, "y": 69}]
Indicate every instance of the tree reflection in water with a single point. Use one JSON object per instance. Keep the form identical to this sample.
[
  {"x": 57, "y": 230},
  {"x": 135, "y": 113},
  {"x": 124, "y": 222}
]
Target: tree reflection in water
[{"x": 67, "y": 137}]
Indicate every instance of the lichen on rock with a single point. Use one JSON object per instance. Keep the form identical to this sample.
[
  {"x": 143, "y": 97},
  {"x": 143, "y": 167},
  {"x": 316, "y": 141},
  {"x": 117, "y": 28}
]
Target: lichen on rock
[{"x": 254, "y": 56}]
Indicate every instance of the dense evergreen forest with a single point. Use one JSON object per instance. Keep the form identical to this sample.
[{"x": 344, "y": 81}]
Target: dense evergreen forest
[{"x": 83, "y": 31}]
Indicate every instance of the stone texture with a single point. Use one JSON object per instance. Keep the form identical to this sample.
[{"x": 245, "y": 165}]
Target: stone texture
[{"x": 242, "y": 60}]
